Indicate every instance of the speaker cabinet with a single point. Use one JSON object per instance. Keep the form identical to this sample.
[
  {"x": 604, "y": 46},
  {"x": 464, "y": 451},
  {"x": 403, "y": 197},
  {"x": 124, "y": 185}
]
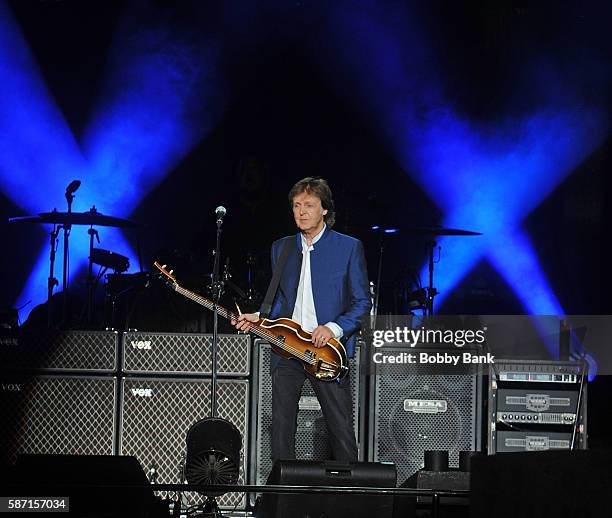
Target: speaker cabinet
[
  {"x": 156, "y": 414},
  {"x": 311, "y": 441},
  {"x": 184, "y": 354},
  {"x": 59, "y": 351},
  {"x": 57, "y": 414},
  {"x": 415, "y": 407}
]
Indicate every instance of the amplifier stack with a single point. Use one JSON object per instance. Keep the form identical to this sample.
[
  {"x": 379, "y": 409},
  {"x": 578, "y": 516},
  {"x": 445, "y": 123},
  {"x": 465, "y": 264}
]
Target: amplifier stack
[
  {"x": 536, "y": 405},
  {"x": 58, "y": 392},
  {"x": 102, "y": 393},
  {"x": 96, "y": 393}
]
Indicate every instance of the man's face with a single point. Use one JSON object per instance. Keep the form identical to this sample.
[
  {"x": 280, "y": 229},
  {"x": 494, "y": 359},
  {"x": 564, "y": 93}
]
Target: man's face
[{"x": 308, "y": 212}]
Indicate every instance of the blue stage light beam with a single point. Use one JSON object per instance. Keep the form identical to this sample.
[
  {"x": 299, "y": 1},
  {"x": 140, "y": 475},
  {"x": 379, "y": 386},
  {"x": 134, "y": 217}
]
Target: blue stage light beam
[
  {"x": 38, "y": 153},
  {"x": 485, "y": 176},
  {"x": 39, "y": 157},
  {"x": 163, "y": 94},
  {"x": 496, "y": 182}
]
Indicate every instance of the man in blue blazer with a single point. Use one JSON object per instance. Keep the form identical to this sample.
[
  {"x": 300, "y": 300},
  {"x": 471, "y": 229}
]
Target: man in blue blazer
[{"x": 323, "y": 287}]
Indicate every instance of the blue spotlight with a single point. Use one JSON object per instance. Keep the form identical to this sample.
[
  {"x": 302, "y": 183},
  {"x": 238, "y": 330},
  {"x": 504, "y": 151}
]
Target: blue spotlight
[
  {"x": 486, "y": 177},
  {"x": 162, "y": 95},
  {"x": 38, "y": 153},
  {"x": 39, "y": 157}
]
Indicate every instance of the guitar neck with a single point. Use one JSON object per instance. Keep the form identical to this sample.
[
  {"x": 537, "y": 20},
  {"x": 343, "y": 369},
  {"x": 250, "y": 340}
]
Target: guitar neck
[
  {"x": 203, "y": 301},
  {"x": 207, "y": 303}
]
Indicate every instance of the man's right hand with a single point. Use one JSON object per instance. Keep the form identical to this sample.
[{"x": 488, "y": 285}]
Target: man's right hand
[{"x": 244, "y": 322}]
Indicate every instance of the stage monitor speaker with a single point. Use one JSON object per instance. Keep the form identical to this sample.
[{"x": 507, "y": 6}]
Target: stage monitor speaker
[
  {"x": 311, "y": 441},
  {"x": 95, "y": 485},
  {"x": 57, "y": 414},
  {"x": 541, "y": 484},
  {"x": 417, "y": 407},
  {"x": 331, "y": 505},
  {"x": 156, "y": 414}
]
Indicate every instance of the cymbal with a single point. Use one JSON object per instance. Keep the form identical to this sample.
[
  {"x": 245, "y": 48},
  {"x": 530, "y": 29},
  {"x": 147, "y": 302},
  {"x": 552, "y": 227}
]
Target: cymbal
[
  {"x": 441, "y": 231},
  {"x": 91, "y": 217}
]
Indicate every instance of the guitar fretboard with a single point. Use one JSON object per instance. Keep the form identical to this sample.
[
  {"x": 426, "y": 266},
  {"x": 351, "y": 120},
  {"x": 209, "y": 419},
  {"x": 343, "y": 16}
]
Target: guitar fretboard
[{"x": 259, "y": 331}]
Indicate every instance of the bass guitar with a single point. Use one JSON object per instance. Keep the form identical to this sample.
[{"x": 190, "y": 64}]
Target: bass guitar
[{"x": 287, "y": 338}]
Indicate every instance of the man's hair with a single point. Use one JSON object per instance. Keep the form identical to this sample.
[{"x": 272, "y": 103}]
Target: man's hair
[{"x": 320, "y": 188}]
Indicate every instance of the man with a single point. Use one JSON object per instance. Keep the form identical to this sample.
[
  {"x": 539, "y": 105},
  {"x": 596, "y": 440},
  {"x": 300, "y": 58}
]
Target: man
[{"x": 323, "y": 287}]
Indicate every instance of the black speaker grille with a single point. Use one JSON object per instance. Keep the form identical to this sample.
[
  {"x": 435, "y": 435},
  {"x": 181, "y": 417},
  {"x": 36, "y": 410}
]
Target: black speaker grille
[
  {"x": 155, "y": 417},
  {"x": 413, "y": 409},
  {"x": 311, "y": 437},
  {"x": 185, "y": 354},
  {"x": 52, "y": 351},
  {"x": 58, "y": 414}
]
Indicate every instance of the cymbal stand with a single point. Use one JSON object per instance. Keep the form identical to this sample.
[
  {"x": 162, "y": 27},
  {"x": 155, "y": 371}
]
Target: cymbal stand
[
  {"x": 52, "y": 282},
  {"x": 431, "y": 291},
  {"x": 67, "y": 229},
  {"x": 378, "y": 275},
  {"x": 90, "y": 277}
]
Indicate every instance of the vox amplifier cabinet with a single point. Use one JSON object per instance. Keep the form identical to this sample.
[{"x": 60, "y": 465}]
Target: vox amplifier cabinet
[
  {"x": 156, "y": 414},
  {"x": 185, "y": 354},
  {"x": 59, "y": 351},
  {"x": 535, "y": 405},
  {"x": 57, "y": 415}
]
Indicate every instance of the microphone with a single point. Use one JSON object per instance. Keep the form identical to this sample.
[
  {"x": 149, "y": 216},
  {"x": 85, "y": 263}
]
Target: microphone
[
  {"x": 220, "y": 213},
  {"x": 73, "y": 186}
]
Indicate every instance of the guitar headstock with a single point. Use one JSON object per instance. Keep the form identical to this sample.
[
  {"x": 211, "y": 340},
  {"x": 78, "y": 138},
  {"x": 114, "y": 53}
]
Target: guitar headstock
[{"x": 166, "y": 274}]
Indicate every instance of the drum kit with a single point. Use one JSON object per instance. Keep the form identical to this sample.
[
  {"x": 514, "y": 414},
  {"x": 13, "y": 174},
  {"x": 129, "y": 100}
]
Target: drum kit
[
  {"x": 426, "y": 295},
  {"x": 64, "y": 221}
]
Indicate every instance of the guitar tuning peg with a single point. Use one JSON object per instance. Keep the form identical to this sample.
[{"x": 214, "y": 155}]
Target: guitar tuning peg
[
  {"x": 171, "y": 272},
  {"x": 164, "y": 265}
]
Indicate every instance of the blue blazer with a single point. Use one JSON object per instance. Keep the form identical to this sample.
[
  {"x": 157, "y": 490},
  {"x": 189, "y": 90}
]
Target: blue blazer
[{"x": 339, "y": 282}]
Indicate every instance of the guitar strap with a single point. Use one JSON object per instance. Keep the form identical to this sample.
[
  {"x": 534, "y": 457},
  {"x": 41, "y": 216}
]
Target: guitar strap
[{"x": 266, "y": 305}]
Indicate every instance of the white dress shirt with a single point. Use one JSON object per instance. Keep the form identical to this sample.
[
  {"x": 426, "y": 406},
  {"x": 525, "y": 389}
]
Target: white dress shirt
[{"x": 304, "y": 312}]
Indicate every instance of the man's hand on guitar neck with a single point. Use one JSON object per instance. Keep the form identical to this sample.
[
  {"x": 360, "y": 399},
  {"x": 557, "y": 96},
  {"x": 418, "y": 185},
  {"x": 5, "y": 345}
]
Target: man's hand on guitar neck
[{"x": 244, "y": 321}]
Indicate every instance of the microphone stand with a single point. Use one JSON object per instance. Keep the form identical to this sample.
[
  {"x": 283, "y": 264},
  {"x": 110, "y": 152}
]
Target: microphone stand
[{"x": 217, "y": 291}]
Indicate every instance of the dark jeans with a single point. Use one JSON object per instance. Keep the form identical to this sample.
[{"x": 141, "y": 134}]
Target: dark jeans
[{"x": 335, "y": 399}]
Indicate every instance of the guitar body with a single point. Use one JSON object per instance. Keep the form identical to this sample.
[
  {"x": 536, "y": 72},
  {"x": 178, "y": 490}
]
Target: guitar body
[{"x": 327, "y": 363}]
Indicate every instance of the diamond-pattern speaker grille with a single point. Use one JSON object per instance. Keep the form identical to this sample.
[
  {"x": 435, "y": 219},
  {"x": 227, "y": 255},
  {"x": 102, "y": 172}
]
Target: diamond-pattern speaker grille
[
  {"x": 155, "y": 417},
  {"x": 402, "y": 436},
  {"x": 311, "y": 437},
  {"x": 185, "y": 354},
  {"x": 58, "y": 414},
  {"x": 93, "y": 351}
]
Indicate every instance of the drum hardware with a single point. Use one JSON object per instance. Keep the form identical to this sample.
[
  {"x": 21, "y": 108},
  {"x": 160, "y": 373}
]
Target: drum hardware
[{"x": 64, "y": 221}]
